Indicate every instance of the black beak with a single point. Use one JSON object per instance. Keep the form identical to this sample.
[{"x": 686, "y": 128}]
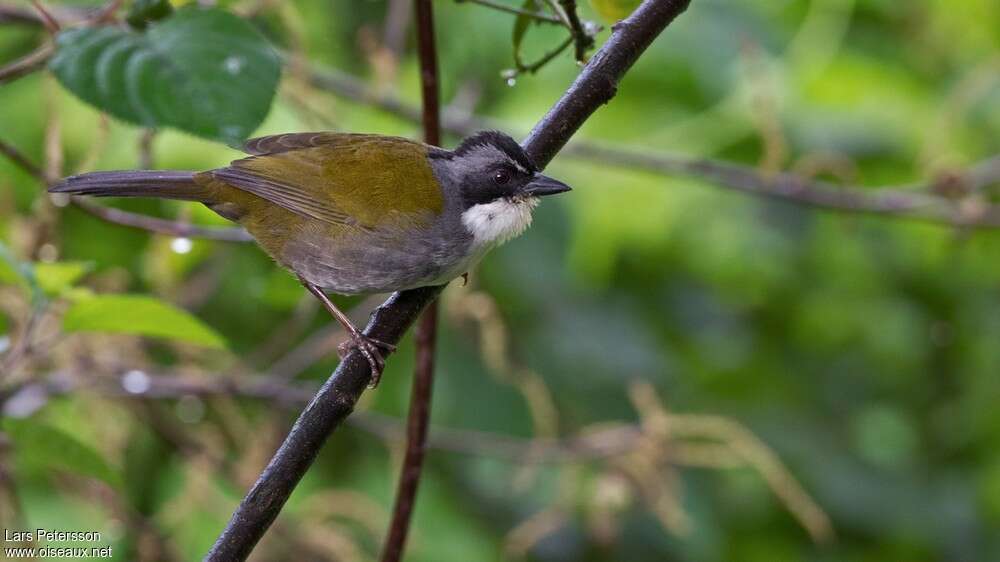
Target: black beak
[{"x": 542, "y": 185}]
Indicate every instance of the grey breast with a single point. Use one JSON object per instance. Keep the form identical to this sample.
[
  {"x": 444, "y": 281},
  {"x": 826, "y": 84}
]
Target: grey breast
[{"x": 389, "y": 259}]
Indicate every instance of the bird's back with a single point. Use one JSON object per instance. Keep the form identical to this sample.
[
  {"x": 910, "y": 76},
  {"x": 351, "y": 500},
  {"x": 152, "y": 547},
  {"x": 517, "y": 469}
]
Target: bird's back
[{"x": 351, "y": 213}]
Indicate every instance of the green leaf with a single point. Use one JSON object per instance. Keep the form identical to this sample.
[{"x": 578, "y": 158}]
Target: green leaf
[
  {"x": 10, "y": 272},
  {"x": 521, "y": 25},
  {"x": 140, "y": 315},
  {"x": 57, "y": 278},
  {"x": 15, "y": 272},
  {"x": 614, "y": 10},
  {"x": 204, "y": 71},
  {"x": 144, "y": 11},
  {"x": 41, "y": 445}
]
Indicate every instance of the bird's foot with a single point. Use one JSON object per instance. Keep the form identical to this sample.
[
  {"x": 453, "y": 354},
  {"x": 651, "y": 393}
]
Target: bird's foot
[{"x": 372, "y": 349}]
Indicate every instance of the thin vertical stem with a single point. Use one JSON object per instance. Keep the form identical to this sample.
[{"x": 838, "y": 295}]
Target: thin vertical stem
[
  {"x": 426, "y": 336},
  {"x": 430, "y": 89}
]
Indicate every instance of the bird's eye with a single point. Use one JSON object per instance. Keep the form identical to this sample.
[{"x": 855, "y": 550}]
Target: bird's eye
[{"x": 501, "y": 177}]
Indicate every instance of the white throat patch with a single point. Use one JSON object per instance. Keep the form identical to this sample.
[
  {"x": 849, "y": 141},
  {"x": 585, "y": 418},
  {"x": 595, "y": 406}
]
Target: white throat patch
[{"x": 498, "y": 221}]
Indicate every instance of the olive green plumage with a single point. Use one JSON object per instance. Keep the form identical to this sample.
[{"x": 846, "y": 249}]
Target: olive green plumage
[
  {"x": 343, "y": 179},
  {"x": 326, "y": 186},
  {"x": 358, "y": 213}
]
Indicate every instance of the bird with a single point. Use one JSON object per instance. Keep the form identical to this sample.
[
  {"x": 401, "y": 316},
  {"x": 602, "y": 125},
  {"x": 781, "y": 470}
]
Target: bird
[{"x": 357, "y": 213}]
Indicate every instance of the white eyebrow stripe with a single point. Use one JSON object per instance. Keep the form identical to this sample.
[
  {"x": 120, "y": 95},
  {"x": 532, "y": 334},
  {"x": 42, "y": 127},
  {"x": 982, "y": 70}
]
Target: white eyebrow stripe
[
  {"x": 517, "y": 165},
  {"x": 494, "y": 153}
]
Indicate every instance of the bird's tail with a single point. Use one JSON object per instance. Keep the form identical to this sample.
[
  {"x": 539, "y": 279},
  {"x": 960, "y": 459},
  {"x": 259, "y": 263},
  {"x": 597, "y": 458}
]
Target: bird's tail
[{"x": 136, "y": 183}]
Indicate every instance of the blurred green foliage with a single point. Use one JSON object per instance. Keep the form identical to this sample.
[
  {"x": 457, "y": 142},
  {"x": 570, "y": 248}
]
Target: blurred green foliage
[
  {"x": 204, "y": 71},
  {"x": 863, "y": 350},
  {"x": 137, "y": 314}
]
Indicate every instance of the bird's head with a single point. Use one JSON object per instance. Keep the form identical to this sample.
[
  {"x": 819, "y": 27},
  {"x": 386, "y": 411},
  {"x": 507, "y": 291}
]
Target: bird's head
[{"x": 497, "y": 184}]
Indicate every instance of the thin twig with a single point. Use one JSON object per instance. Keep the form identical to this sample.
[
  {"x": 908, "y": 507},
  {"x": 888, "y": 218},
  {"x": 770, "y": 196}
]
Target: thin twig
[
  {"x": 11, "y": 361},
  {"x": 280, "y": 345},
  {"x": 544, "y": 60},
  {"x": 126, "y": 218},
  {"x": 586, "y": 446},
  {"x": 48, "y": 20},
  {"x": 417, "y": 424},
  {"x": 582, "y": 39},
  {"x": 24, "y": 16},
  {"x": 499, "y": 6},
  {"x": 162, "y": 226},
  {"x": 397, "y": 21},
  {"x": 146, "y": 148},
  {"x": 15, "y": 14},
  {"x": 336, "y": 399},
  {"x": 21, "y": 161},
  {"x": 675, "y": 440},
  {"x": 560, "y": 14},
  {"x": 27, "y": 64},
  {"x": 418, "y": 419},
  {"x": 318, "y": 345},
  {"x": 913, "y": 202}
]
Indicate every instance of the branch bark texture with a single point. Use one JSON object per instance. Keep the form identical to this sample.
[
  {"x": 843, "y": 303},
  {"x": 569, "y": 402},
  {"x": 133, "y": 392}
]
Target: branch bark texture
[
  {"x": 595, "y": 86},
  {"x": 598, "y": 82},
  {"x": 325, "y": 412}
]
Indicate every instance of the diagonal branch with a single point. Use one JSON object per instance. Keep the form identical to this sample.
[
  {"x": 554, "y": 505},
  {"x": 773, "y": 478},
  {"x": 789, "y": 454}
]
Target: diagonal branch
[
  {"x": 913, "y": 202},
  {"x": 336, "y": 399},
  {"x": 501, "y": 7},
  {"x": 328, "y": 408},
  {"x": 582, "y": 38},
  {"x": 919, "y": 202},
  {"x": 27, "y": 64}
]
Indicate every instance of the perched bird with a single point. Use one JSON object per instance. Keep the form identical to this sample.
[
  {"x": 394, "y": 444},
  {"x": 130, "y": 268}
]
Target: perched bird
[{"x": 358, "y": 213}]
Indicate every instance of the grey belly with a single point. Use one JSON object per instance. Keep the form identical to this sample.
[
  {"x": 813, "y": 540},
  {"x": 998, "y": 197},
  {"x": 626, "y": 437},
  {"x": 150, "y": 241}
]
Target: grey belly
[{"x": 362, "y": 266}]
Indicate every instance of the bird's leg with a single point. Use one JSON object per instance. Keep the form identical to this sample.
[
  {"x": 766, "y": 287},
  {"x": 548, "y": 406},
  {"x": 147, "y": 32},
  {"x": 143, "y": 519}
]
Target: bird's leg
[{"x": 370, "y": 347}]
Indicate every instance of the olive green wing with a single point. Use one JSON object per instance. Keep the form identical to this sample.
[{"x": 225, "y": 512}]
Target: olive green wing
[
  {"x": 274, "y": 144},
  {"x": 345, "y": 179}
]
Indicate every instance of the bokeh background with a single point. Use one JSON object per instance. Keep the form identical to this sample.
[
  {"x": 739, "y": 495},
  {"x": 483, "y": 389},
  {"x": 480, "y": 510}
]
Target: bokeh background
[{"x": 730, "y": 377}]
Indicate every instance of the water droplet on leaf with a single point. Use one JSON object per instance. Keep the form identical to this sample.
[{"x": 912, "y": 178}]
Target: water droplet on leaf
[
  {"x": 181, "y": 245},
  {"x": 233, "y": 64}
]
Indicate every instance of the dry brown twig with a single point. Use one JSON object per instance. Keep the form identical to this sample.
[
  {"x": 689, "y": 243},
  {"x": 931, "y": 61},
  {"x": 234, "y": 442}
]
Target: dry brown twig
[
  {"x": 465, "y": 303},
  {"x": 583, "y": 38},
  {"x": 27, "y": 64},
  {"x": 738, "y": 443},
  {"x": 500, "y": 6},
  {"x": 648, "y": 454}
]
